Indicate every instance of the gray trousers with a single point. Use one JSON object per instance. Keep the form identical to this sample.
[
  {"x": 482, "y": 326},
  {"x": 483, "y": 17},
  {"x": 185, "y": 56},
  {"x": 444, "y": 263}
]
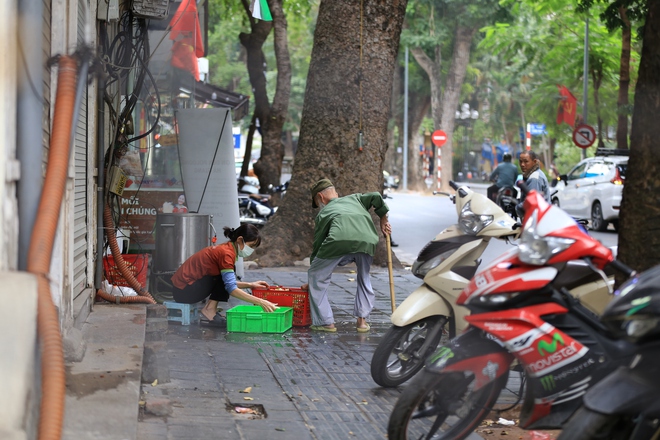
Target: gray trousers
[{"x": 319, "y": 277}]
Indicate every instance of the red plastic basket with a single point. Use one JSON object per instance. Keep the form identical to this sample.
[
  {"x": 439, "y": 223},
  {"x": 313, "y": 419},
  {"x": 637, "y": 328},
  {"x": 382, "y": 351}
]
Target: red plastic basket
[
  {"x": 137, "y": 263},
  {"x": 289, "y": 296}
]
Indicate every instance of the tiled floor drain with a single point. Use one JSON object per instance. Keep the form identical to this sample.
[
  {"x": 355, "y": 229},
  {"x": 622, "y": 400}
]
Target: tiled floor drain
[{"x": 248, "y": 411}]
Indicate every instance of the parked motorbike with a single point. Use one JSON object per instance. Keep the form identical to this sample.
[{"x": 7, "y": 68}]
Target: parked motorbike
[
  {"x": 625, "y": 404},
  {"x": 521, "y": 310},
  {"x": 445, "y": 264},
  {"x": 254, "y": 211},
  {"x": 253, "y": 207},
  {"x": 507, "y": 199}
]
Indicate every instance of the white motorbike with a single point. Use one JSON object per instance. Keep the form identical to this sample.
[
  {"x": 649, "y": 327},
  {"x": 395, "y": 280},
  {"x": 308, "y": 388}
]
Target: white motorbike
[{"x": 446, "y": 264}]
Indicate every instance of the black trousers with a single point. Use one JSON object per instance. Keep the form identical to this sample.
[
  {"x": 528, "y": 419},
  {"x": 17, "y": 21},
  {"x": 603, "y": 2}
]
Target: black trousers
[{"x": 211, "y": 287}]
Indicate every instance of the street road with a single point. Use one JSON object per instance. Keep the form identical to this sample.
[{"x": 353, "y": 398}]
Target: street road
[{"x": 416, "y": 219}]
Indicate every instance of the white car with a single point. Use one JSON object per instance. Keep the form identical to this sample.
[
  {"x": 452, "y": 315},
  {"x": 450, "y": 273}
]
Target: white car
[{"x": 593, "y": 188}]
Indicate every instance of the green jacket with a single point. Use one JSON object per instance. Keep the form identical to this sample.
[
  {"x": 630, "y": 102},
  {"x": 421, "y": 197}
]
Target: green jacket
[{"x": 344, "y": 226}]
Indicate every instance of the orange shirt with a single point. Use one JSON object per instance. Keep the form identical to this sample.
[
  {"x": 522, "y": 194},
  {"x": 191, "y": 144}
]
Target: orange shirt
[{"x": 212, "y": 260}]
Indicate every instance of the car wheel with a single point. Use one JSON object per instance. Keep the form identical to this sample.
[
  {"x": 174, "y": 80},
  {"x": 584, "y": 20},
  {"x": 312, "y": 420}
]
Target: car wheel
[
  {"x": 597, "y": 221},
  {"x": 555, "y": 201}
]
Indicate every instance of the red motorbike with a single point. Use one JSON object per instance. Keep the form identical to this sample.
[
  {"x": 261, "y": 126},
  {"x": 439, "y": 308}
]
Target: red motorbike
[{"x": 521, "y": 313}]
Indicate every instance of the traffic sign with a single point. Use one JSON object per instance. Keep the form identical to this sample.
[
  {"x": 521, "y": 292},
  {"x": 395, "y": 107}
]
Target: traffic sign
[
  {"x": 537, "y": 129},
  {"x": 584, "y": 136},
  {"x": 439, "y": 138}
]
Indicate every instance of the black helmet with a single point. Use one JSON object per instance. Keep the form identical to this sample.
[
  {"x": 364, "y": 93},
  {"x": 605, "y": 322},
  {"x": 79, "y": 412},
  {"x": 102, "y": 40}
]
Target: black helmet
[{"x": 634, "y": 313}]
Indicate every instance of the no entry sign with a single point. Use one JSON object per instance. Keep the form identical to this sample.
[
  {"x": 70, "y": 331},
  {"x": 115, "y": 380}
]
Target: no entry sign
[
  {"x": 584, "y": 136},
  {"x": 439, "y": 138}
]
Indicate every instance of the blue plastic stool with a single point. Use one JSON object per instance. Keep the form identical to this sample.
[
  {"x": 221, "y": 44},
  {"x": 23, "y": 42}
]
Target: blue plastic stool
[{"x": 188, "y": 312}]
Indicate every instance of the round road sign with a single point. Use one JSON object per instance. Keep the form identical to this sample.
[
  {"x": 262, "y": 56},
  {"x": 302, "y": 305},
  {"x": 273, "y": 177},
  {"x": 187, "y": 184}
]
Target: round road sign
[
  {"x": 439, "y": 138},
  {"x": 584, "y": 136}
]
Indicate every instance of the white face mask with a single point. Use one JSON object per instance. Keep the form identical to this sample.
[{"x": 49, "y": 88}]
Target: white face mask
[{"x": 246, "y": 251}]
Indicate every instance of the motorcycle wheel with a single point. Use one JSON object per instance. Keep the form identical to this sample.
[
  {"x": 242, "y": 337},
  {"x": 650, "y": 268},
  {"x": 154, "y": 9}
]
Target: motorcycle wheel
[
  {"x": 393, "y": 362},
  {"x": 589, "y": 425},
  {"x": 442, "y": 406}
]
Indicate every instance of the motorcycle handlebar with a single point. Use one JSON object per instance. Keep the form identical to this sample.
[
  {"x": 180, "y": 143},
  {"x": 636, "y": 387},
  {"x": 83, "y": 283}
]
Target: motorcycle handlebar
[
  {"x": 453, "y": 185},
  {"x": 618, "y": 265}
]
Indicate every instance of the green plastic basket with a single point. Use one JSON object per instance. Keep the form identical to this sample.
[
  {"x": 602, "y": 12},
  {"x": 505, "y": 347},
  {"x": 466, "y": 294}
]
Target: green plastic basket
[{"x": 252, "y": 319}]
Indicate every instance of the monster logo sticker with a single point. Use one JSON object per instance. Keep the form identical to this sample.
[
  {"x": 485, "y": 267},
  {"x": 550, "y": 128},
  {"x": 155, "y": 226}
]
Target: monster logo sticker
[
  {"x": 442, "y": 355},
  {"x": 549, "y": 348},
  {"x": 548, "y": 382}
]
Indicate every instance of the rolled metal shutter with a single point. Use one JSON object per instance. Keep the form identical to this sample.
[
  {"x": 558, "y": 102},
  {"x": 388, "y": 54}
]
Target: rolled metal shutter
[{"x": 81, "y": 184}]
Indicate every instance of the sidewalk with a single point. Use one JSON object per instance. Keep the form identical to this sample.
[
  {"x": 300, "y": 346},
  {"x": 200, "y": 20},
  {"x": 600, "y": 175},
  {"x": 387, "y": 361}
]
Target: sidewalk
[
  {"x": 304, "y": 384},
  {"x": 310, "y": 385}
]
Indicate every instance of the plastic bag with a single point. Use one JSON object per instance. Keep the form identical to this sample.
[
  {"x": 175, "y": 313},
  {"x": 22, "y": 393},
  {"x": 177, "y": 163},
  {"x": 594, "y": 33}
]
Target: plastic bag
[{"x": 117, "y": 290}]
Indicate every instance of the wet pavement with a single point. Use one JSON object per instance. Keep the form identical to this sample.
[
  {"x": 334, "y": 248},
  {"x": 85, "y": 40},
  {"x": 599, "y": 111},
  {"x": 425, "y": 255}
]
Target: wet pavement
[{"x": 302, "y": 384}]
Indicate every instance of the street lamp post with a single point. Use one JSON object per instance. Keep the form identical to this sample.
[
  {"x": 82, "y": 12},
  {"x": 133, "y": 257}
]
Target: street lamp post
[{"x": 466, "y": 117}]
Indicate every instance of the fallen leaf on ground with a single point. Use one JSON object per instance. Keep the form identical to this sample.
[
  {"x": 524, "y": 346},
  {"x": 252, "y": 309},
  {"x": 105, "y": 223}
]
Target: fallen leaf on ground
[
  {"x": 154, "y": 383},
  {"x": 248, "y": 398},
  {"x": 280, "y": 429},
  {"x": 248, "y": 390},
  {"x": 243, "y": 410},
  {"x": 351, "y": 279}
]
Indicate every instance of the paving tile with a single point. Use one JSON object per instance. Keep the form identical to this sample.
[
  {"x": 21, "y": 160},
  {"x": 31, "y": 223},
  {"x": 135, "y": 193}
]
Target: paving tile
[{"x": 312, "y": 385}]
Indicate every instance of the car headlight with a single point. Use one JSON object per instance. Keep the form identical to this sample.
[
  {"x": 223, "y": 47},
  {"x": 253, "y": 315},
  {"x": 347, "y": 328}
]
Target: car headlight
[
  {"x": 537, "y": 250},
  {"x": 421, "y": 268},
  {"x": 471, "y": 223}
]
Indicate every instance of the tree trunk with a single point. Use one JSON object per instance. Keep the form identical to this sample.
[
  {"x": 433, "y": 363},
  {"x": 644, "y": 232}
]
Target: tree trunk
[
  {"x": 392, "y": 156},
  {"x": 256, "y": 65},
  {"x": 269, "y": 166},
  {"x": 418, "y": 110},
  {"x": 639, "y": 241},
  {"x": 624, "y": 82},
  {"x": 459, "y": 61},
  {"x": 248, "y": 145},
  {"x": 597, "y": 77},
  {"x": 349, "y": 87},
  {"x": 444, "y": 105}
]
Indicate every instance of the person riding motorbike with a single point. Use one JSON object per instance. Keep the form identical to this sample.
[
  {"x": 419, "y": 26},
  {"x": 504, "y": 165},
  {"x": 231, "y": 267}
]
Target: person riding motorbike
[
  {"x": 505, "y": 173},
  {"x": 533, "y": 177}
]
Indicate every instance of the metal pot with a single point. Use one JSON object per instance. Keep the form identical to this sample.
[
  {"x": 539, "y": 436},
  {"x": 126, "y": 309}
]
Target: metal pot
[{"x": 178, "y": 236}]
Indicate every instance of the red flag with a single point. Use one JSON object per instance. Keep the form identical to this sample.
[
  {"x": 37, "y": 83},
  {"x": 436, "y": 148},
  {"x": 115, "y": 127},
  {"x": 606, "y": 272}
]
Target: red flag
[
  {"x": 567, "y": 107},
  {"x": 186, "y": 30}
]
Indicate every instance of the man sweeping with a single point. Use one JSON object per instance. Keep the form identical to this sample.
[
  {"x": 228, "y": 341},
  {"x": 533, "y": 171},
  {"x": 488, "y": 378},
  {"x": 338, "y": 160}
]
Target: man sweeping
[{"x": 343, "y": 233}]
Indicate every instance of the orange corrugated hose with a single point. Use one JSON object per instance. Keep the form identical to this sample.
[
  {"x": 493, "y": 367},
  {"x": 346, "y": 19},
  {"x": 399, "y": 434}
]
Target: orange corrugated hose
[
  {"x": 51, "y": 412},
  {"x": 121, "y": 264}
]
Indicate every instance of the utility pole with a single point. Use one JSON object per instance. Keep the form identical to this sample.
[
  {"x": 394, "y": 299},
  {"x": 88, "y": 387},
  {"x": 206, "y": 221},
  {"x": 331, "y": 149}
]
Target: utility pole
[
  {"x": 585, "y": 79},
  {"x": 405, "y": 124}
]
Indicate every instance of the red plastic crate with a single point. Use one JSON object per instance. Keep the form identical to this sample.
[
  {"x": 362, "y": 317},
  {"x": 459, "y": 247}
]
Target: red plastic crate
[
  {"x": 137, "y": 263},
  {"x": 289, "y": 296}
]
